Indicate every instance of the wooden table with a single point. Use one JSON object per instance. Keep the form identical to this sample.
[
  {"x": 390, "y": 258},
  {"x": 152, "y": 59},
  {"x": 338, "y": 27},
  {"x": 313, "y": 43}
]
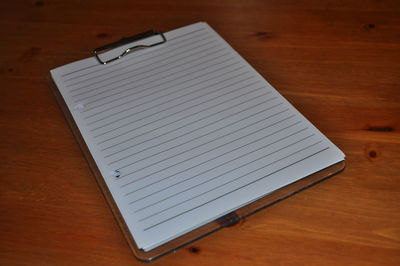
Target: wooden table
[{"x": 338, "y": 62}]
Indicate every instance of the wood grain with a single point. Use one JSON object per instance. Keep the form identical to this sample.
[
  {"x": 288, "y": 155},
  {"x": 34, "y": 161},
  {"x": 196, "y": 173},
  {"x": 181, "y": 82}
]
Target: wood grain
[{"x": 338, "y": 62}]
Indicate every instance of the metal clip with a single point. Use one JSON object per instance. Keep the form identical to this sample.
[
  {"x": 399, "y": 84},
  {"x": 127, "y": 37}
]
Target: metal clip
[{"x": 126, "y": 40}]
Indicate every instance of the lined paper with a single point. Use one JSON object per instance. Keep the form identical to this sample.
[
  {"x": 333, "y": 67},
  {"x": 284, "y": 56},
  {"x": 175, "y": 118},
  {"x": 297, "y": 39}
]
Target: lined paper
[{"x": 192, "y": 131}]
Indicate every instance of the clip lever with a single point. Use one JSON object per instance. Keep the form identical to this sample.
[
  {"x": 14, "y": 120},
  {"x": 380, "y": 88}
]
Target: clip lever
[{"x": 126, "y": 40}]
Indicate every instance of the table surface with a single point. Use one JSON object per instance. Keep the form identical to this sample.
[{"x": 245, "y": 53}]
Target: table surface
[{"x": 338, "y": 62}]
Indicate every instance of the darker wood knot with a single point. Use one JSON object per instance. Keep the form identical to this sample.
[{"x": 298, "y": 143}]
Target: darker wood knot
[
  {"x": 10, "y": 69},
  {"x": 194, "y": 250},
  {"x": 372, "y": 154},
  {"x": 380, "y": 129},
  {"x": 102, "y": 35},
  {"x": 369, "y": 26},
  {"x": 30, "y": 53},
  {"x": 263, "y": 35},
  {"x": 372, "y": 151},
  {"x": 39, "y": 3},
  {"x": 228, "y": 220},
  {"x": 35, "y": 51}
]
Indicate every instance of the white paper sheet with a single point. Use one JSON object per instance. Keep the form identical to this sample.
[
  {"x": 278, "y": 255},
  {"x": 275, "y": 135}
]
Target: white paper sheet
[{"x": 194, "y": 131}]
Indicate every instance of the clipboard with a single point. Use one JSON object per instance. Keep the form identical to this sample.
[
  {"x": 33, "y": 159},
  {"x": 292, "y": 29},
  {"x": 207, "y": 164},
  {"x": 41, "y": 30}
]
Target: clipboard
[{"x": 202, "y": 231}]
